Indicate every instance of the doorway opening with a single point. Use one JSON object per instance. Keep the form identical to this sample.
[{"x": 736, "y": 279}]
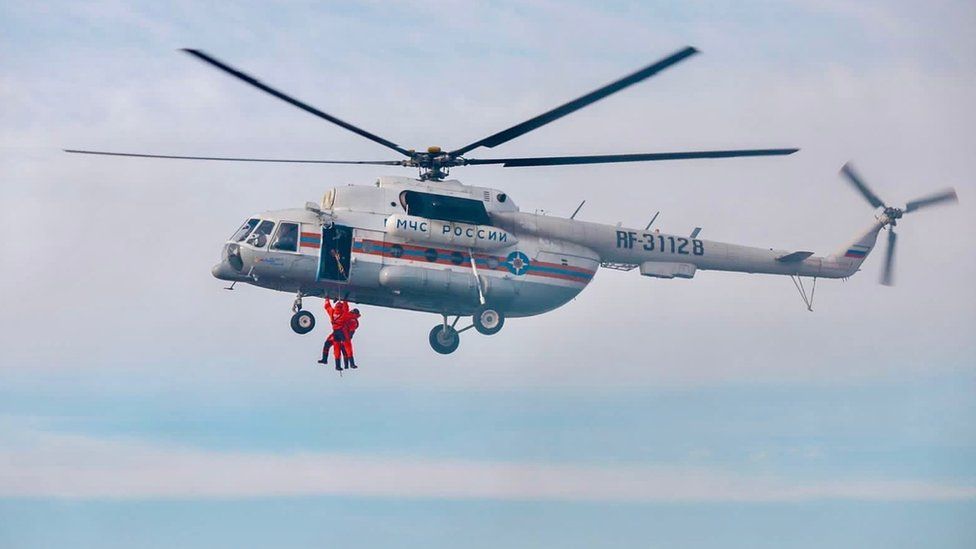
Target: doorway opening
[{"x": 334, "y": 256}]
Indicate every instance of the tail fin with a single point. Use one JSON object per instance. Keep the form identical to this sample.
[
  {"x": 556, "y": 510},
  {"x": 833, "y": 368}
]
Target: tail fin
[{"x": 857, "y": 251}]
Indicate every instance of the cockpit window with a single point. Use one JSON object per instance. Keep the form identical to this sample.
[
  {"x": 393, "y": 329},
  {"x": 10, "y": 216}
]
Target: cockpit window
[
  {"x": 286, "y": 238},
  {"x": 260, "y": 235},
  {"x": 245, "y": 230}
]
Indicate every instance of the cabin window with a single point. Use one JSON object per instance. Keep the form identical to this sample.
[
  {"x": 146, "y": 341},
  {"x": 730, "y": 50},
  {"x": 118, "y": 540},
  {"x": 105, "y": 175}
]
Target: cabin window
[
  {"x": 286, "y": 239},
  {"x": 260, "y": 235},
  {"x": 245, "y": 230},
  {"x": 445, "y": 208}
]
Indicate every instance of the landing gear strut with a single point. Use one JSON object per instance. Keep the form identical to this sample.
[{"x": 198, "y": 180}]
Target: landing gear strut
[
  {"x": 445, "y": 337},
  {"x": 302, "y": 322}
]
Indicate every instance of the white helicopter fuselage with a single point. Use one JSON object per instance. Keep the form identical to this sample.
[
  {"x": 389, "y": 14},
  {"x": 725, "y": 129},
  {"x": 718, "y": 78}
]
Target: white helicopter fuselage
[
  {"x": 439, "y": 246},
  {"x": 411, "y": 244},
  {"x": 411, "y": 262}
]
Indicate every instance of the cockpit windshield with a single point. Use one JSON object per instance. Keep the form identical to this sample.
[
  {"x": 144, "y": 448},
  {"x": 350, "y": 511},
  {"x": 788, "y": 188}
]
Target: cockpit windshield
[{"x": 245, "y": 230}]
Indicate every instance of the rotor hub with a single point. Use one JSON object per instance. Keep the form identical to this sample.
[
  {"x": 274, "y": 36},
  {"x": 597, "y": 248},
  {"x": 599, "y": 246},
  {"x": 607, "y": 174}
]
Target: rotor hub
[
  {"x": 434, "y": 164},
  {"x": 893, "y": 214}
]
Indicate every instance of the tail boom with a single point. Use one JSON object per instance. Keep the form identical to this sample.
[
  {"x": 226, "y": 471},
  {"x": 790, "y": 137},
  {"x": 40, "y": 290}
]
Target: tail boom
[{"x": 668, "y": 256}]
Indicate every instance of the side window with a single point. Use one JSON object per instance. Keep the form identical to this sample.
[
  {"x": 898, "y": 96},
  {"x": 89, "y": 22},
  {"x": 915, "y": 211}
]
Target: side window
[
  {"x": 260, "y": 235},
  {"x": 445, "y": 208},
  {"x": 286, "y": 239}
]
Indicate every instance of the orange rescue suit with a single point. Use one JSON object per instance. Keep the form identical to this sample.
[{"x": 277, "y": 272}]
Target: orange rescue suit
[
  {"x": 350, "y": 323},
  {"x": 338, "y": 337}
]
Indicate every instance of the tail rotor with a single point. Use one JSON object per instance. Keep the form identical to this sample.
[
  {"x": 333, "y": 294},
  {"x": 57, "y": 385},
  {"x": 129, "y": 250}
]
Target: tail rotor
[
  {"x": 948, "y": 195},
  {"x": 890, "y": 215},
  {"x": 861, "y": 186}
]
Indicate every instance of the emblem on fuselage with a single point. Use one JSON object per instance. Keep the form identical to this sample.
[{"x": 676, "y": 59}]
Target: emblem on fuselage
[{"x": 517, "y": 263}]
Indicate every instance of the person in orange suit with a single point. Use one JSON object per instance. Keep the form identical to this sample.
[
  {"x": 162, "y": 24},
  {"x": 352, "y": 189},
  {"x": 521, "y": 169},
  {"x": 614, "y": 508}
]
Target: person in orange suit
[
  {"x": 337, "y": 314},
  {"x": 350, "y": 323}
]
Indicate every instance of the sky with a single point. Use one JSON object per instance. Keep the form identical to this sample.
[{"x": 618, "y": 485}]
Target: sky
[{"x": 143, "y": 405}]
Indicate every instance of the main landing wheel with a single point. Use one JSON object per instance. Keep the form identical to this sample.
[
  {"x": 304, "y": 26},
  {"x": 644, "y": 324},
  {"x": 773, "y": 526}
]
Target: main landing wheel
[
  {"x": 488, "y": 321},
  {"x": 444, "y": 339},
  {"x": 302, "y": 322}
]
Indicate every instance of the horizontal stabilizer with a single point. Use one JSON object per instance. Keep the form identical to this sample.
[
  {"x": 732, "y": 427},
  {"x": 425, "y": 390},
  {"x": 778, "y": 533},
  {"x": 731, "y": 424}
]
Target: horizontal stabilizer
[{"x": 794, "y": 257}]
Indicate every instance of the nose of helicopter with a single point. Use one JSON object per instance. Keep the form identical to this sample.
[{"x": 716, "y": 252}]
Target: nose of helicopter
[
  {"x": 222, "y": 271},
  {"x": 230, "y": 265}
]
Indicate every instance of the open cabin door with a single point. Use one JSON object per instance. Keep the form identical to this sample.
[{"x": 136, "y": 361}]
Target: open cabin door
[{"x": 334, "y": 256}]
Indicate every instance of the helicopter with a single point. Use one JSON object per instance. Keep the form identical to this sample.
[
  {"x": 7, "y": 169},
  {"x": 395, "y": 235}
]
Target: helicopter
[{"x": 433, "y": 244}]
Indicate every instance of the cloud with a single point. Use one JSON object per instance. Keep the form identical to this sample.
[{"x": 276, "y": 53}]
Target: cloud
[{"x": 52, "y": 465}]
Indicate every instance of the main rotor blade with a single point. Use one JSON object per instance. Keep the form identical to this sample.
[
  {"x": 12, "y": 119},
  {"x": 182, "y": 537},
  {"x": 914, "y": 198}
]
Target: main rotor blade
[
  {"x": 301, "y": 105},
  {"x": 608, "y": 158},
  {"x": 232, "y": 159},
  {"x": 887, "y": 273},
  {"x": 859, "y": 184},
  {"x": 948, "y": 195},
  {"x": 577, "y": 104}
]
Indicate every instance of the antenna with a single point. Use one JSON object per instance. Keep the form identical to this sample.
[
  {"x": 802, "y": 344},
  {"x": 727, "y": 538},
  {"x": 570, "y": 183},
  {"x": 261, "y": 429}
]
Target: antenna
[
  {"x": 578, "y": 208},
  {"x": 695, "y": 232},
  {"x": 651, "y": 222}
]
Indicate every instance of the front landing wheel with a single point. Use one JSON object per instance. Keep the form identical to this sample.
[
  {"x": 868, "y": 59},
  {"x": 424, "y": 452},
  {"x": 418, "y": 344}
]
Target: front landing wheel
[
  {"x": 488, "y": 321},
  {"x": 444, "y": 339},
  {"x": 302, "y": 322}
]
